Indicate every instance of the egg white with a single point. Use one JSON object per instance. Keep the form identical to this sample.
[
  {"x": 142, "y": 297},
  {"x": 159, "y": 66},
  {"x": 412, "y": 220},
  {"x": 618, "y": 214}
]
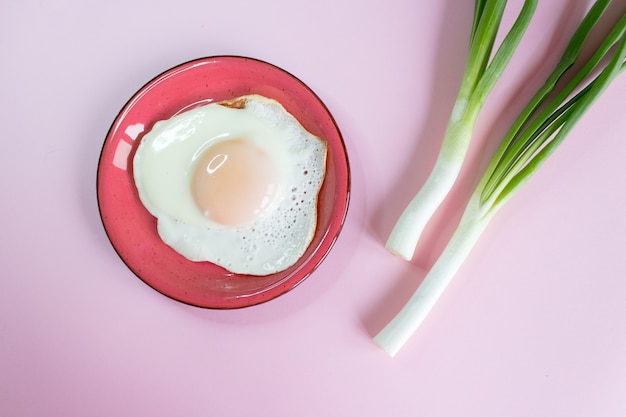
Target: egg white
[{"x": 164, "y": 163}]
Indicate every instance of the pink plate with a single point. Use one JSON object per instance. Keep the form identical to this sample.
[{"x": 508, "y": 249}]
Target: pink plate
[{"x": 132, "y": 230}]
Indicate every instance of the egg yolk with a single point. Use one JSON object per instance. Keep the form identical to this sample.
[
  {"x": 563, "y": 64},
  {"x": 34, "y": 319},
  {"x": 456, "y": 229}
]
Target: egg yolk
[{"x": 233, "y": 182}]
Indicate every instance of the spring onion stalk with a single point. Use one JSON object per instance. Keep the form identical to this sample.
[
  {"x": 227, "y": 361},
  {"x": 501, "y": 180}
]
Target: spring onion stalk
[
  {"x": 538, "y": 130},
  {"x": 480, "y": 75}
]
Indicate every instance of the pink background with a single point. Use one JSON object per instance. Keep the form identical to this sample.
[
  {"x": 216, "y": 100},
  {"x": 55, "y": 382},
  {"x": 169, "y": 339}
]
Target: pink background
[{"x": 533, "y": 324}]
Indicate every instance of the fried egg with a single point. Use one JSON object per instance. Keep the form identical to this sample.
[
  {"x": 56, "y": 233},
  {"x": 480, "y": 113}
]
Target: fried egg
[{"x": 234, "y": 183}]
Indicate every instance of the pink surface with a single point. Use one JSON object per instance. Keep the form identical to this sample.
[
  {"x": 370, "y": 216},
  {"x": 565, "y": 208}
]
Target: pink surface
[{"x": 533, "y": 324}]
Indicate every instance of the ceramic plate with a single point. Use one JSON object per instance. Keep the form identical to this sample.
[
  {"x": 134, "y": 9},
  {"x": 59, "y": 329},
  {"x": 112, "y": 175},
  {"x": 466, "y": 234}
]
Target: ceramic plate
[{"x": 132, "y": 230}]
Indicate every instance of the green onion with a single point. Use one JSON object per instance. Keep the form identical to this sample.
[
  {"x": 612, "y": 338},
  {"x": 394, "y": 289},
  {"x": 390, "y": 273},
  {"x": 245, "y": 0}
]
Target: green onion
[
  {"x": 539, "y": 129},
  {"x": 482, "y": 71}
]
